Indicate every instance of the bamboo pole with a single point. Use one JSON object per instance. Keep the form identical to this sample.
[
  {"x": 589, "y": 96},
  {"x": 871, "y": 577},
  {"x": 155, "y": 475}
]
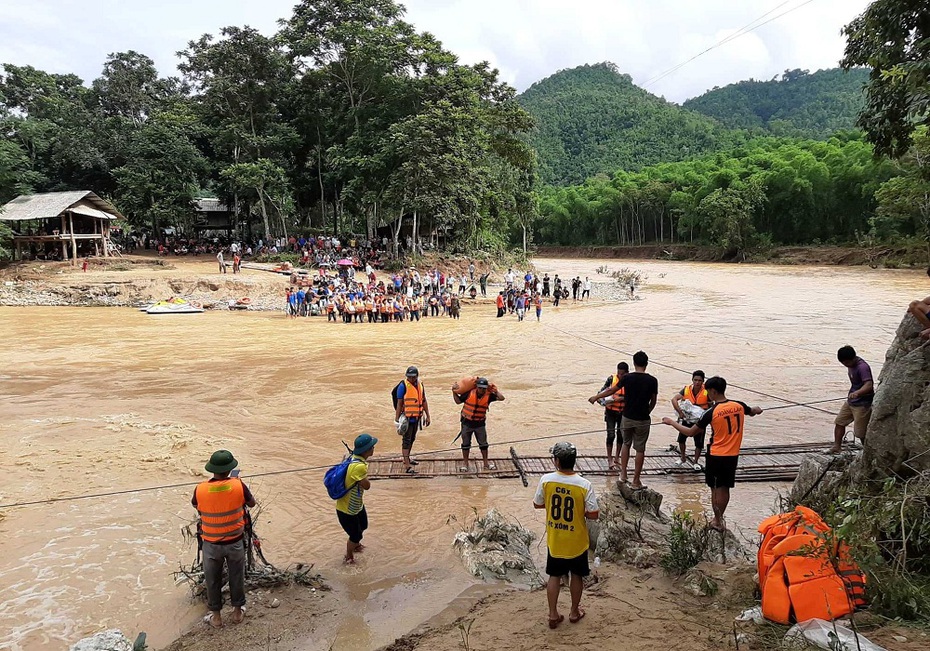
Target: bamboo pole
[{"x": 61, "y": 234}]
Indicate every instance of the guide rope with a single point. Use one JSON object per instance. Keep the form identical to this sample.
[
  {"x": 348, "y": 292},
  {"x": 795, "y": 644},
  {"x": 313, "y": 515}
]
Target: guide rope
[{"x": 288, "y": 471}]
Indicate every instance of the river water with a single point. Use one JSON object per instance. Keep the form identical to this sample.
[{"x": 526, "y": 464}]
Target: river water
[{"x": 97, "y": 400}]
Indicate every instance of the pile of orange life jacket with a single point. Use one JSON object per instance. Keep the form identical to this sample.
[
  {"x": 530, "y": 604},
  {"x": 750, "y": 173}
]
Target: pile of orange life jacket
[{"x": 804, "y": 573}]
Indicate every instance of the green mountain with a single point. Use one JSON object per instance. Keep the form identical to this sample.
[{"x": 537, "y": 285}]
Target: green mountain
[
  {"x": 593, "y": 120},
  {"x": 800, "y": 104}
]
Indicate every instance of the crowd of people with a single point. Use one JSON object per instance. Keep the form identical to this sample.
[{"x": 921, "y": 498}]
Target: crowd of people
[{"x": 351, "y": 296}]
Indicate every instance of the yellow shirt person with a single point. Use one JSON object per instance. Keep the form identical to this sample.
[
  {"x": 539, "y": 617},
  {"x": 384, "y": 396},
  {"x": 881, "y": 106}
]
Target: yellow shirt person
[{"x": 568, "y": 501}]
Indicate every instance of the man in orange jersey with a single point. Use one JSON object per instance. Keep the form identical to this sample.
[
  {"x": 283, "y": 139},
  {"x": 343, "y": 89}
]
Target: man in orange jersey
[
  {"x": 726, "y": 420},
  {"x": 221, "y": 503}
]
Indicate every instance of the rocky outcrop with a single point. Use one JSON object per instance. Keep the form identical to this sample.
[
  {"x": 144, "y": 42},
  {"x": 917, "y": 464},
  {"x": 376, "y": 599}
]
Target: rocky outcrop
[
  {"x": 820, "y": 474},
  {"x": 898, "y": 438},
  {"x": 495, "y": 549},
  {"x": 633, "y": 529}
]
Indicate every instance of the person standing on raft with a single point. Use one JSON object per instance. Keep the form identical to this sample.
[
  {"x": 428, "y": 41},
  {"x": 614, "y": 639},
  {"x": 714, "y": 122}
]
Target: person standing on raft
[
  {"x": 726, "y": 420},
  {"x": 613, "y": 414},
  {"x": 220, "y": 503},
  {"x": 696, "y": 394},
  {"x": 475, "y": 405},
  {"x": 410, "y": 400}
]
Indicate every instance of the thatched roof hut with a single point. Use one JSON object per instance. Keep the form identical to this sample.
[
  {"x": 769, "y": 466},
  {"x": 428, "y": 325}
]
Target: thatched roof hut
[{"x": 51, "y": 218}]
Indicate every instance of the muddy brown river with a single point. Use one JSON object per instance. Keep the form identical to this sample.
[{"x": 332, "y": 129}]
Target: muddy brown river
[{"x": 99, "y": 400}]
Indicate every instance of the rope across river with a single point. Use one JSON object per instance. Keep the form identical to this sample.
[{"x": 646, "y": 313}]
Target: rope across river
[{"x": 288, "y": 471}]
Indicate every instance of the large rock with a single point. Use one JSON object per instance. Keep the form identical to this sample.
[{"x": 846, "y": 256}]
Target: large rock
[
  {"x": 633, "y": 529},
  {"x": 112, "y": 640},
  {"x": 820, "y": 474},
  {"x": 495, "y": 549},
  {"x": 898, "y": 438}
]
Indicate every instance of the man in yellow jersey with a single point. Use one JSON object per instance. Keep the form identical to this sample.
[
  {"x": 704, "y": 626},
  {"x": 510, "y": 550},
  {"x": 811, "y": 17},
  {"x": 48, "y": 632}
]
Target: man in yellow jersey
[
  {"x": 350, "y": 508},
  {"x": 726, "y": 419},
  {"x": 696, "y": 394},
  {"x": 220, "y": 504},
  {"x": 568, "y": 500}
]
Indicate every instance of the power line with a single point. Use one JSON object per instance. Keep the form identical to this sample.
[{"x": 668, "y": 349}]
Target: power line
[
  {"x": 741, "y": 32},
  {"x": 681, "y": 370}
]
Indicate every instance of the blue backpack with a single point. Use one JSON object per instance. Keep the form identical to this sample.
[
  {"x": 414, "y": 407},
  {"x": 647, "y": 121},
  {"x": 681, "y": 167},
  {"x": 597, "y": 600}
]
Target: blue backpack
[{"x": 335, "y": 479}]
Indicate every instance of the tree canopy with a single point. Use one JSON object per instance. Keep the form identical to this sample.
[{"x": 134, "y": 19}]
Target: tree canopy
[
  {"x": 593, "y": 120},
  {"x": 799, "y": 103},
  {"x": 346, "y": 119}
]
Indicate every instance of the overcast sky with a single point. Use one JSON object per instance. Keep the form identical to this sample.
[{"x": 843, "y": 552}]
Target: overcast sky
[{"x": 526, "y": 39}]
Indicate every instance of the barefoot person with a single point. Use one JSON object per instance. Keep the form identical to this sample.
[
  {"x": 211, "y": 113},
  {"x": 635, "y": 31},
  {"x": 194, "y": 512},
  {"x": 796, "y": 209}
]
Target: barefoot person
[
  {"x": 220, "y": 503},
  {"x": 411, "y": 402},
  {"x": 858, "y": 407},
  {"x": 613, "y": 413},
  {"x": 350, "y": 508},
  {"x": 641, "y": 390},
  {"x": 921, "y": 311},
  {"x": 726, "y": 420},
  {"x": 696, "y": 394},
  {"x": 474, "y": 419},
  {"x": 569, "y": 501}
]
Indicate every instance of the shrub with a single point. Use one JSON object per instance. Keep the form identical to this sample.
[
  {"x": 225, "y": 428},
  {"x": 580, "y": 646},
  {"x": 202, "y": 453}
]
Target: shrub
[{"x": 687, "y": 541}]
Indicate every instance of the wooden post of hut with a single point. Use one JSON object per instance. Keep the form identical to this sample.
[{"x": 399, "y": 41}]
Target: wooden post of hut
[
  {"x": 73, "y": 241},
  {"x": 64, "y": 248}
]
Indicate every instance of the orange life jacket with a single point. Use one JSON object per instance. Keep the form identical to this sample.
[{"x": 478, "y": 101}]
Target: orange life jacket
[
  {"x": 475, "y": 409},
  {"x": 700, "y": 400},
  {"x": 618, "y": 398},
  {"x": 803, "y": 572},
  {"x": 221, "y": 505},
  {"x": 413, "y": 399}
]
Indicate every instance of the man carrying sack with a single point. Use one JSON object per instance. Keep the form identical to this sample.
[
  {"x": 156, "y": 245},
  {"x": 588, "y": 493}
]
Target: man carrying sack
[
  {"x": 475, "y": 405},
  {"x": 221, "y": 503}
]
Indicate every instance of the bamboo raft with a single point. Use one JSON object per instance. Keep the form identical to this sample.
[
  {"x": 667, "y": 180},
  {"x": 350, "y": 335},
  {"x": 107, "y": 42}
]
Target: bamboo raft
[{"x": 760, "y": 463}]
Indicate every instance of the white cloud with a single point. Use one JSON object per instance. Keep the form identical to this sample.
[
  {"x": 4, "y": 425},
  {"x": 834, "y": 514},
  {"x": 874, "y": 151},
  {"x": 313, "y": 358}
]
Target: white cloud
[{"x": 526, "y": 39}]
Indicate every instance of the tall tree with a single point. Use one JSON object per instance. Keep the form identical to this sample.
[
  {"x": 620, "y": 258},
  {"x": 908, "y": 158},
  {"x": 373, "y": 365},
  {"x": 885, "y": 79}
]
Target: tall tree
[{"x": 892, "y": 37}]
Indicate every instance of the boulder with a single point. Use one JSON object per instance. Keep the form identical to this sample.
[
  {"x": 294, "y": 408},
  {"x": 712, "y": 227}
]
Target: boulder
[
  {"x": 495, "y": 549},
  {"x": 820, "y": 474},
  {"x": 111, "y": 640},
  {"x": 898, "y": 438}
]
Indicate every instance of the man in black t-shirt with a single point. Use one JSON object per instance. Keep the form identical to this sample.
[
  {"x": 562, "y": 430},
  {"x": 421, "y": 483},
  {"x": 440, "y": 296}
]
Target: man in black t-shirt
[{"x": 640, "y": 392}]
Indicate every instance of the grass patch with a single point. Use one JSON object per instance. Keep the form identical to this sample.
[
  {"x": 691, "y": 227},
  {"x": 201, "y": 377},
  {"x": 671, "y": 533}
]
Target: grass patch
[{"x": 687, "y": 542}]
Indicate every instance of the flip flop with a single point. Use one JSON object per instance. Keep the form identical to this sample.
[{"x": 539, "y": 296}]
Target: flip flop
[
  {"x": 554, "y": 623},
  {"x": 411, "y": 471},
  {"x": 575, "y": 620},
  {"x": 414, "y": 462},
  {"x": 638, "y": 488}
]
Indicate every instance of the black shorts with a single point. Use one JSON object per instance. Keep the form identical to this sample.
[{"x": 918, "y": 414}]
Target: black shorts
[
  {"x": 354, "y": 525},
  {"x": 561, "y": 566},
  {"x": 698, "y": 440},
  {"x": 410, "y": 435},
  {"x": 720, "y": 472}
]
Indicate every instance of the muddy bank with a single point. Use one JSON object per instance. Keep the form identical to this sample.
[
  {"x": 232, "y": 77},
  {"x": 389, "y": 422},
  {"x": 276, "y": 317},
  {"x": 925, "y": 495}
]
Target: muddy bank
[{"x": 881, "y": 256}]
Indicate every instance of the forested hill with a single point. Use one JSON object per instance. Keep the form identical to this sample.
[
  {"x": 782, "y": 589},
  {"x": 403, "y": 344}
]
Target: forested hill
[
  {"x": 593, "y": 120},
  {"x": 798, "y": 104}
]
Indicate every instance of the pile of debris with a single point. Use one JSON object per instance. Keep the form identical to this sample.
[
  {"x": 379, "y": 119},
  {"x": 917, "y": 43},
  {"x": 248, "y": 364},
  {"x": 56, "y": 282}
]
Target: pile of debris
[{"x": 494, "y": 549}]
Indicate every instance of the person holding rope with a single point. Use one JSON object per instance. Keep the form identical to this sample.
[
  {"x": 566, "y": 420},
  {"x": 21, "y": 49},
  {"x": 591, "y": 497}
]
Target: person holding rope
[
  {"x": 613, "y": 412},
  {"x": 474, "y": 419},
  {"x": 726, "y": 419},
  {"x": 858, "y": 407},
  {"x": 220, "y": 504},
  {"x": 641, "y": 391}
]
